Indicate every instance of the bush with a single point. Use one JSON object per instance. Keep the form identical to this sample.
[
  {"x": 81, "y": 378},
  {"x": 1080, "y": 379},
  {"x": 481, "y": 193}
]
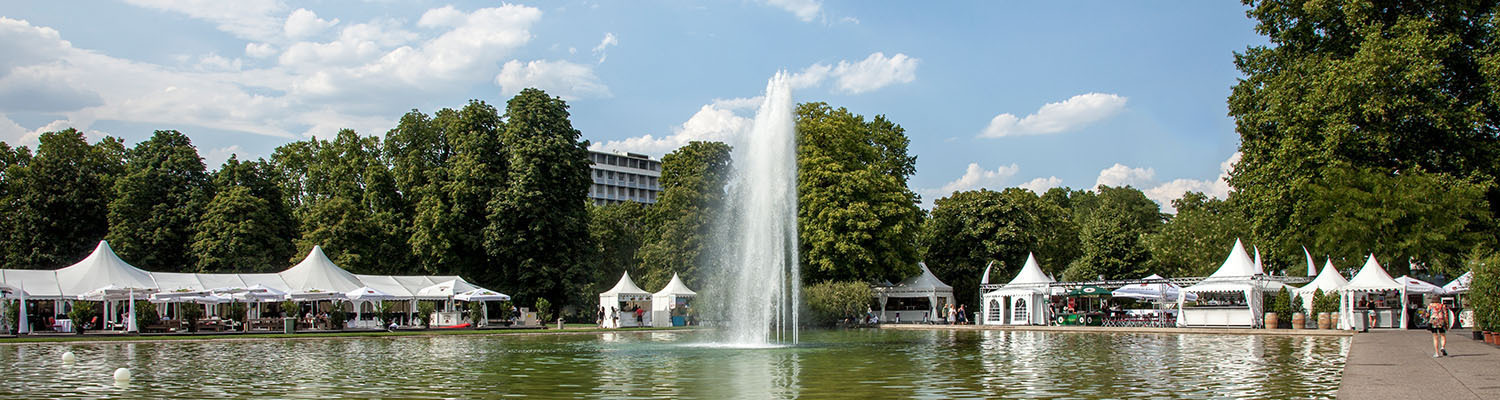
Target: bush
[
  {"x": 424, "y": 313},
  {"x": 290, "y": 308},
  {"x": 476, "y": 312},
  {"x": 1324, "y": 303},
  {"x": 80, "y": 314},
  {"x": 12, "y": 314},
  {"x": 543, "y": 310},
  {"x": 386, "y": 311},
  {"x": 234, "y": 311},
  {"x": 831, "y": 302},
  {"x": 1484, "y": 292},
  {"x": 191, "y": 312},
  {"x": 145, "y": 314},
  {"x": 337, "y": 316}
]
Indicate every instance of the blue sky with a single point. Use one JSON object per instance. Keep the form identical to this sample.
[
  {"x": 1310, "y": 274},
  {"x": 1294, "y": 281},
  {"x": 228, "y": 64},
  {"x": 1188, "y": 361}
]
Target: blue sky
[{"x": 992, "y": 94}]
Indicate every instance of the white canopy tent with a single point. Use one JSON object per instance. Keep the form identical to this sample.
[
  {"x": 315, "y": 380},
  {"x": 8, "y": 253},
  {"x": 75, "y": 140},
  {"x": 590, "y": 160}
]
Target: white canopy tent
[
  {"x": 481, "y": 294},
  {"x": 1418, "y": 286},
  {"x": 663, "y": 302},
  {"x": 1162, "y": 292},
  {"x": 103, "y": 268},
  {"x": 621, "y": 298},
  {"x": 1329, "y": 281},
  {"x": 1371, "y": 278},
  {"x": 922, "y": 286},
  {"x": 1461, "y": 284},
  {"x": 1021, "y": 301},
  {"x": 365, "y": 294},
  {"x": 317, "y": 274},
  {"x": 1228, "y": 297}
]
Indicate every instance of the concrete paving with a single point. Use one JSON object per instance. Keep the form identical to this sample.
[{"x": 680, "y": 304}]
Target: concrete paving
[
  {"x": 1125, "y": 329},
  {"x": 1398, "y": 364}
]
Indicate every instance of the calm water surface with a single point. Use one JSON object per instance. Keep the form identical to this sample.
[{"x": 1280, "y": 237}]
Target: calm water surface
[{"x": 844, "y": 364}]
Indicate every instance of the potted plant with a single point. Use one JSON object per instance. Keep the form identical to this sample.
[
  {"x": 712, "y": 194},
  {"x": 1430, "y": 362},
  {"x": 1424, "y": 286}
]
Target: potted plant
[
  {"x": 191, "y": 312},
  {"x": 80, "y": 314},
  {"x": 337, "y": 317},
  {"x": 476, "y": 313},
  {"x": 289, "y": 311}
]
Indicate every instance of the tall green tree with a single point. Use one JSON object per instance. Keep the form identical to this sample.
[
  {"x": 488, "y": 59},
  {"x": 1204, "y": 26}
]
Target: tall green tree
[
  {"x": 157, "y": 203},
  {"x": 1195, "y": 241},
  {"x": 233, "y": 235},
  {"x": 260, "y": 179},
  {"x": 683, "y": 220},
  {"x": 13, "y": 168},
  {"x": 617, "y": 233},
  {"x": 970, "y": 229},
  {"x": 452, "y": 167},
  {"x": 1391, "y": 85},
  {"x": 1111, "y": 231},
  {"x": 857, "y": 219},
  {"x": 60, "y": 199},
  {"x": 343, "y": 229},
  {"x": 345, "y": 201},
  {"x": 537, "y": 225},
  {"x": 1412, "y": 218}
]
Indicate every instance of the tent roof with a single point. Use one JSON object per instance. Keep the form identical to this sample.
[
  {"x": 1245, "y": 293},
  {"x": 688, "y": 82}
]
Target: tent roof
[
  {"x": 1237, "y": 265},
  {"x": 368, "y": 293},
  {"x": 676, "y": 288},
  {"x": 38, "y": 284},
  {"x": 1031, "y": 273},
  {"x": 1460, "y": 285},
  {"x": 1418, "y": 286},
  {"x": 220, "y": 281},
  {"x": 102, "y": 268},
  {"x": 272, "y": 281},
  {"x": 1260, "y": 268},
  {"x": 177, "y": 281},
  {"x": 1372, "y": 277},
  {"x": 1328, "y": 280},
  {"x": 317, "y": 272},
  {"x": 445, "y": 289},
  {"x": 413, "y": 283},
  {"x": 625, "y": 286},
  {"x": 386, "y": 284},
  {"x": 925, "y": 281}
]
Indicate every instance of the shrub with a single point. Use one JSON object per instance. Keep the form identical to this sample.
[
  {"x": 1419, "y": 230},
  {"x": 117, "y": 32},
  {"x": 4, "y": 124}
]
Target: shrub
[
  {"x": 386, "y": 311},
  {"x": 290, "y": 308},
  {"x": 543, "y": 309},
  {"x": 234, "y": 311},
  {"x": 1484, "y": 292},
  {"x": 80, "y": 314},
  {"x": 337, "y": 316},
  {"x": 476, "y": 312},
  {"x": 12, "y": 314},
  {"x": 145, "y": 314},
  {"x": 424, "y": 313},
  {"x": 831, "y": 302},
  {"x": 191, "y": 312}
]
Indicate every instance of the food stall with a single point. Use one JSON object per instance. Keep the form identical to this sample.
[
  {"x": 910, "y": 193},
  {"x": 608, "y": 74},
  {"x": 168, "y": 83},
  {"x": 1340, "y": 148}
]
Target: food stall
[
  {"x": 1085, "y": 305},
  {"x": 1372, "y": 299},
  {"x": 1230, "y": 297}
]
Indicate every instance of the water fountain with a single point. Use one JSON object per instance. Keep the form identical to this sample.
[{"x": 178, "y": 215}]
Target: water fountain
[{"x": 763, "y": 285}]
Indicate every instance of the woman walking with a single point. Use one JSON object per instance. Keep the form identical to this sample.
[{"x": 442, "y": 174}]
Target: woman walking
[{"x": 1437, "y": 323}]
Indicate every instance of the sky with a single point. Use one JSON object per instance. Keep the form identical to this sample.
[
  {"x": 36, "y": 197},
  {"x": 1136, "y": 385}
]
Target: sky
[{"x": 992, "y": 94}]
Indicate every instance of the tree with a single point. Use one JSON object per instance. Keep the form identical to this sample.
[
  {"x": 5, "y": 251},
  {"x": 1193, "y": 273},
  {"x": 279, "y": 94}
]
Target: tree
[
  {"x": 346, "y": 201},
  {"x": 857, "y": 219},
  {"x": 272, "y": 229},
  {"x": 970, "y": 229},
  {"x": 1112, "y": 226},
  {"x": 59, "y": 198},
  {"x": 617, "y": 232},
  {"x": 536, "y": 226},
  {"x": 1391, "y": 86},
  {"x": 451, "y": 168},
  {"x": 13, "y": 168},
  {"x": 683, "y": 220},
  {"x": 157, "y": 203},
  {"x": 1408, "y": 218},
  {"x": 1195, "y": 241},
  {"x": 233, "y": 236},
  {"x": 343, "y": 229}
]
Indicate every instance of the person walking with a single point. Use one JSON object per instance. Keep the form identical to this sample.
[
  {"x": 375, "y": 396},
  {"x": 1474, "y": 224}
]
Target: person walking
[{"x": 1437, "y": 323}]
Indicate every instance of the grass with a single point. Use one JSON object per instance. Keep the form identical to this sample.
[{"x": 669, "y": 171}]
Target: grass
[{"x": 571, "y": 329}]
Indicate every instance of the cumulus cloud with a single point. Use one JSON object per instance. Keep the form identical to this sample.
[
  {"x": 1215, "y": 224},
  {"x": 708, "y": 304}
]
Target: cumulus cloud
[
  {"x": 1067, "y": 115},
  {"x": 558, "y": 78},
  {"x": 805, "y": 10},
  {"x": 40, "y": 88},
  {"x": 874, "y": 72},
  {"x": 246, "y": 19},
  {"x": 304, "y": 23},
  {"x": 1164, "y": 192},
  {"x": 214, "y": 158},
  {"x": 609, "y": 40},
  {"x": 739, "y": 103},
  {"x": 710, "y": 123},
  {"x": 259, "y": 50},
  {"x": 976, "y": 177},
  {"x": 1041, "y": 185}
]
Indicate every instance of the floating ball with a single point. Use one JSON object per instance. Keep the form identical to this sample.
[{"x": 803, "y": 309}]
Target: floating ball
[
  {"x": 68, "y": 357},
  {"x": 122, "y": 375}
]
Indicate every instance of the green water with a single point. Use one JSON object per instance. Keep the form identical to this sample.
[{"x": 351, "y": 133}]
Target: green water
[{"x": 829, "y": 364}]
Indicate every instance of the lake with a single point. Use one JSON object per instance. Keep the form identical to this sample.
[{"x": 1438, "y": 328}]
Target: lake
[{"x": 866, "y": 363}]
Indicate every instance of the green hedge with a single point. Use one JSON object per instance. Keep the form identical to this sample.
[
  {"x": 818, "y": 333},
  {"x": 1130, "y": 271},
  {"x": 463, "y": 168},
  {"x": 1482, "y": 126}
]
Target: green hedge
[{"x": 830, "y": 302}]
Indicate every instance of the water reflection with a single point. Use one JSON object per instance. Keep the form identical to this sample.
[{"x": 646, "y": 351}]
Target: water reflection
[{"x": 857, "y": 363}]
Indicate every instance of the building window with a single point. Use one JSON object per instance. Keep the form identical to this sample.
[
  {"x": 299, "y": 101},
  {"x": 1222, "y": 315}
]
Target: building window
[{"x": 1019, "y": 316}]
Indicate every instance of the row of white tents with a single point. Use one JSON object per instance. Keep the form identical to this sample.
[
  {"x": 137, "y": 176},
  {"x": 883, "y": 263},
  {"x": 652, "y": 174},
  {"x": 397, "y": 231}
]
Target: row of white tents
[
  {"x": 1240, "y": 278},
  {"x": 103, "y": 276},
  {"x": 625, "y": 295}
]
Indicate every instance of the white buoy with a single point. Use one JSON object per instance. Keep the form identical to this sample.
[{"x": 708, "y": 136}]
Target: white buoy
[
  {"x": 68, "y": 357},
  {"x": 122, "y": 375}
]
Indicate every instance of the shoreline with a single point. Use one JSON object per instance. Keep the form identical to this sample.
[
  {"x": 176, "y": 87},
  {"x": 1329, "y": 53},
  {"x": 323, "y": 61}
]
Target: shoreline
[
  {"x": 1132, "y": 330},
  {"x": 233, "y": 337}
]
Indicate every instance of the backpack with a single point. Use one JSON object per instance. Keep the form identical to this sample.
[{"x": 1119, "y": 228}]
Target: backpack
[{"x": 1437, "y": 316}]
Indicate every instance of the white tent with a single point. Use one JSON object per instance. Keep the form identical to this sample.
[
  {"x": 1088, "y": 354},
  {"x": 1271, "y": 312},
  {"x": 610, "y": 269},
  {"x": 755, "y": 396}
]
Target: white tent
[
  {"x": 1418, "y": 286},
  {"x": 317, "y": 274},
  {"x": 1019, "y": 302},
  {"x": 103, "y": 268},
  {"x": 1460, "y": 285},
  {"x": 1161, "y": 292},
  {"x": 675, "y": 294},
  {"x": 1228, "y": 297},
  {"x": 1329, "y": 281},
  {"x": 624, "y": 295},
  {"x": 922, "y": 286},
  {"x": 481, "y": 295},
  {"x": 1372, "y": 278},
  {"x": 445, "y": 290},
  {"x": 365, "y": 294}
]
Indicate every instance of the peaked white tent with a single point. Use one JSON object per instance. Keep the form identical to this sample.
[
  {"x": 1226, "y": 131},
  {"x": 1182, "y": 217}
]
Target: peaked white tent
[
  {"x": 1372, "y": 278},
  {"x": 1329, "y": 281},
  {"x": 1021, "y": 301},
  {"x": 663, "y": 302},
  {"x": 1461, "y": 284},
  {"x": 1418, "y": 286},
  {"x": 924, "y": 285},
  {"x": 101, "y": 269},
  {"x": 624, "y": 296},
  {"x": 1228, "y": 297},
  {"x": 317, "y": 275}
]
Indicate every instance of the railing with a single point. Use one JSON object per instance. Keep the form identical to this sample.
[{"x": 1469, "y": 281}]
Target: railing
[{"x": 1181, "y": 282}]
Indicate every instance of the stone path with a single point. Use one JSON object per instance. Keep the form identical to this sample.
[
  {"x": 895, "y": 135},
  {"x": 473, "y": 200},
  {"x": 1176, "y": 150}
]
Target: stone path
[{"x": 1398, "y": 364}]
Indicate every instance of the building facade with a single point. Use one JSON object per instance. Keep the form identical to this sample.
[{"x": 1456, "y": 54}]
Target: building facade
[{"x": 621, "y": 177}]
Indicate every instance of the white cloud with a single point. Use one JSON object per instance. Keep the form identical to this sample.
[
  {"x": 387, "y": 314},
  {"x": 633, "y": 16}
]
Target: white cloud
[
  {"x": 805, "y": 10},
  {"x": 215, "y": 62},
  {"x": 305, "y": 23},
  {"x": 1164, "y": 193},
  {"x": 739, "y": 103},
  {"x": 976, "y": 177},
  {"x": 246, "y": 19},
  {"x": 609, "y": 40},
  {"x": 215, "y": 158},
  {"x": 259, "y": 50},
  {"x": 441, "y": 17},
  {"x": 1070, "y": 114},
  {"x": 1040, "y": 185},
  {"x": 14, "y": 134},
  {"x": 849, "y": 20},
  {"x": 558, "y": 78},
  {"x": 710, "y": 123},
  {"x": 875, "y": 72}
]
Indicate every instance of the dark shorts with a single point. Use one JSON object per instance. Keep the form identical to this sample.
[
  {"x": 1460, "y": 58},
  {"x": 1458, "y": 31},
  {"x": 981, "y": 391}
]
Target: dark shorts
[{"x": 1437, "y": 329}]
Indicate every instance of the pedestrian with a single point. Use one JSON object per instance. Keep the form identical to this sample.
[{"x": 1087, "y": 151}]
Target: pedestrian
[
  {"x": 963, "y": 316},
  {"x": 1437, "y": 323}
]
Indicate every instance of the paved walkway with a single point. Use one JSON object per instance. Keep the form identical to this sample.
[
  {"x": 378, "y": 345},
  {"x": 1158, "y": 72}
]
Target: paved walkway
[
  {"x": 1124, "y": 329},
  {"x": 1399, "y": 365}
]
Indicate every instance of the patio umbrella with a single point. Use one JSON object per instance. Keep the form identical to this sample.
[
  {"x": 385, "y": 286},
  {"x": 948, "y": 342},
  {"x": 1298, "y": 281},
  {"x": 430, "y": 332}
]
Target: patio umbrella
[{"x": 1089, "y": 291}]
